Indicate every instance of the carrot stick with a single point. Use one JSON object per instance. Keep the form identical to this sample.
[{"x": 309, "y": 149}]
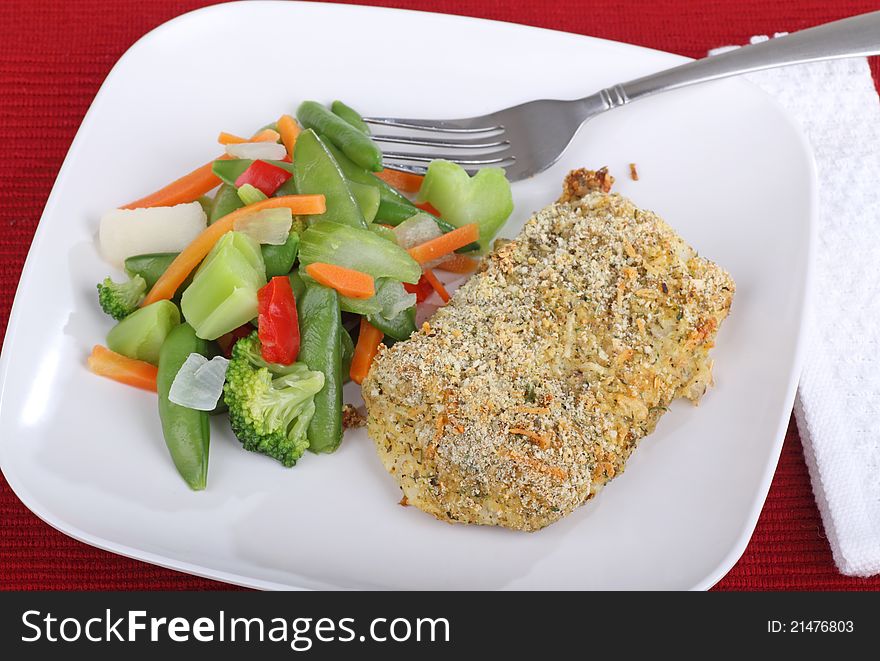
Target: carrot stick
[
  {"x": 437, "y": 285},
  {"x": 266, "y": 135},
  {"x": 120, "y": 368},
  {"x": 188, "y": 188},
  {"x": 192, "y": 186},
  {"x": 407, "y": 182},
  {"x": 366, "y": 349},
  {"x": 445, "y": 243},
  {"x": 456, "y": 263},
  {"x": 196, "y": 251},
  {"x": 426, "y": 206},
  {"x": 289, "y": 129},
  {"x": 347, "y": 282}
]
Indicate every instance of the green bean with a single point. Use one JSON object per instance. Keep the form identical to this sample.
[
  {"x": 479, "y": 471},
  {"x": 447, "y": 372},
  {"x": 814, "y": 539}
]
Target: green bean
[
  {"x": 357, "y": 146},
  {"x": 320, "y": 323},
  {"x": 187, "y": 431}
]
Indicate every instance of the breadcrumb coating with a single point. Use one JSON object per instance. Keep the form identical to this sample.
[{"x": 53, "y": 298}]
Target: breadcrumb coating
[{"x": 528, "y": 392}]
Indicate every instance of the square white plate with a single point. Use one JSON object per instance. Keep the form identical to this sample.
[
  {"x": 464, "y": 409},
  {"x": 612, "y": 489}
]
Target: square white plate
[{"x": 722, "y": 163}]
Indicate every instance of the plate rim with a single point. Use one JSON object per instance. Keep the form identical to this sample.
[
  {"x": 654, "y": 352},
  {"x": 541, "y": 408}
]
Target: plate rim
[{"x": 804, "y": 294}]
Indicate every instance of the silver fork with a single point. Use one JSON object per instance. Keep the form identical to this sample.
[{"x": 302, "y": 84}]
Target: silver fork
[{"x": 530, "y": 137}]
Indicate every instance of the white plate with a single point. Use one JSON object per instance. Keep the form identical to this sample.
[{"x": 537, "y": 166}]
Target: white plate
[{"x": 722, "y": 163}]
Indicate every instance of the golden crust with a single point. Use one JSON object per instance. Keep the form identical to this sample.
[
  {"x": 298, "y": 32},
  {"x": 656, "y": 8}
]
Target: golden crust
[{"x": 530, "y": 389}]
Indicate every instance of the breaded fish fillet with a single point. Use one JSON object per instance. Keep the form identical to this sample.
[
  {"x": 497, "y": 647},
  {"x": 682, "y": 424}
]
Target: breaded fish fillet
[{"x": 523, "y": 396}]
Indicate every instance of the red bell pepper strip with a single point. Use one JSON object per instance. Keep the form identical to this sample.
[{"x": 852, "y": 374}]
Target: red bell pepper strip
[
  {"x": 422, "y": 289},
  {"x": 277, "y": 322},
  {"x": 265, "y": 176}
]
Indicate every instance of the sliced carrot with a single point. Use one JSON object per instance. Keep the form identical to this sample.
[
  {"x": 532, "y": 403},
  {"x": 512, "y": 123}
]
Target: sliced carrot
[
  {"x": 195, "y": 252},
  {"x": 289, "y": 130},
  {"x": 437, "y": 285},
  {"x": 120, "y": 368},
  {"x": 348, "y": 282},
  {"x": 408, "y": 182},
  {"x": 426, "y": 206},
  {"x": 367, "y": 347},
  {"x": 445, "y": 243},
  {"x": 188, "y": 188},
  {"x": 456, "y": 263},
  {"x": 266, "y": 135}
]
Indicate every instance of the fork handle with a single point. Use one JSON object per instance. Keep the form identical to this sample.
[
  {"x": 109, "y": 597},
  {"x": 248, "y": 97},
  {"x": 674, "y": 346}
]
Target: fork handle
[{"x": 850, "y": 37}]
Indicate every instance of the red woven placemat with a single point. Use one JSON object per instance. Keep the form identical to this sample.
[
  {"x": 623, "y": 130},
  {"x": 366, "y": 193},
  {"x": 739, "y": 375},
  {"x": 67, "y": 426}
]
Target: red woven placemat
[{"x": 53, "y": 58}]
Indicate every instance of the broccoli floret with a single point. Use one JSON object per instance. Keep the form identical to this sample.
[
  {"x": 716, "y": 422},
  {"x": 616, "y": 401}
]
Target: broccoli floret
[
  {"x": 270, "y": 406},
  {"x": 120, "y": 299}
]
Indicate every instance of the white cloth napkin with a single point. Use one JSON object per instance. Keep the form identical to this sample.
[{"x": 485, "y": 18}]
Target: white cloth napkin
[{"x": 838, "y": 401}]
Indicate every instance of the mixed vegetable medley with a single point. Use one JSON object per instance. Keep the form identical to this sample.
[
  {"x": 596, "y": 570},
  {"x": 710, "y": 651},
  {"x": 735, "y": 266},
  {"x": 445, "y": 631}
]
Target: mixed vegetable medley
[{"x": 262, "y": 299}]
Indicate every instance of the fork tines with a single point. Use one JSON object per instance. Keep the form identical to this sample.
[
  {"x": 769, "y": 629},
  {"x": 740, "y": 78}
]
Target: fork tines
[{"x": 461, "y": 141}]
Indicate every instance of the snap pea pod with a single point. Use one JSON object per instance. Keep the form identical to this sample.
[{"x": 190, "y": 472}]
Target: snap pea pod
[
  {"x": 367, "y": 198},
  {"x": 187, "y": 431},
  {"x": 354, "y": 172},
  {"x": 320, "y": 323},
  {"x": 225, "y": 202},
  {"x": 279, "y": 259},
  {"x": 347, "y": 352},
  {"x": 356, "y": 145},
  {"x": 287, "y": 188},
  {"x": 398, "y": 328},
  {"x": 206, "y": 203},
  {"x": 350, "y": 115},
  {"x": 316, "y": 172},
  {"x": 394, "y": 207},
  {"x": 150, "y": 266}
]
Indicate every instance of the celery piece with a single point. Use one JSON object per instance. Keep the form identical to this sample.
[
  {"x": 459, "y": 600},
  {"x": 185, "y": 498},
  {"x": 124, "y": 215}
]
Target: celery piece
[
  {"x": 357, "y": 249},
  {"x": 367, "y": 198},
  {"x": 384, "y": 232},
  {"x": 238, "y": 242},
  {"x": 251, "y": 194},
  {"x": 393, "y": 298},
  {"x": 484, "y": 198},
  {"x": 362, "y": 306},
  {"x": 141, "y": 334},
  {"x": 233, "y": 271},
  {"x": 236, "y": 309}
]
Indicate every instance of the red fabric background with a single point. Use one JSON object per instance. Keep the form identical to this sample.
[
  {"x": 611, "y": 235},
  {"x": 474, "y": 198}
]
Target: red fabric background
[{"x": 54, "y": 56}]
